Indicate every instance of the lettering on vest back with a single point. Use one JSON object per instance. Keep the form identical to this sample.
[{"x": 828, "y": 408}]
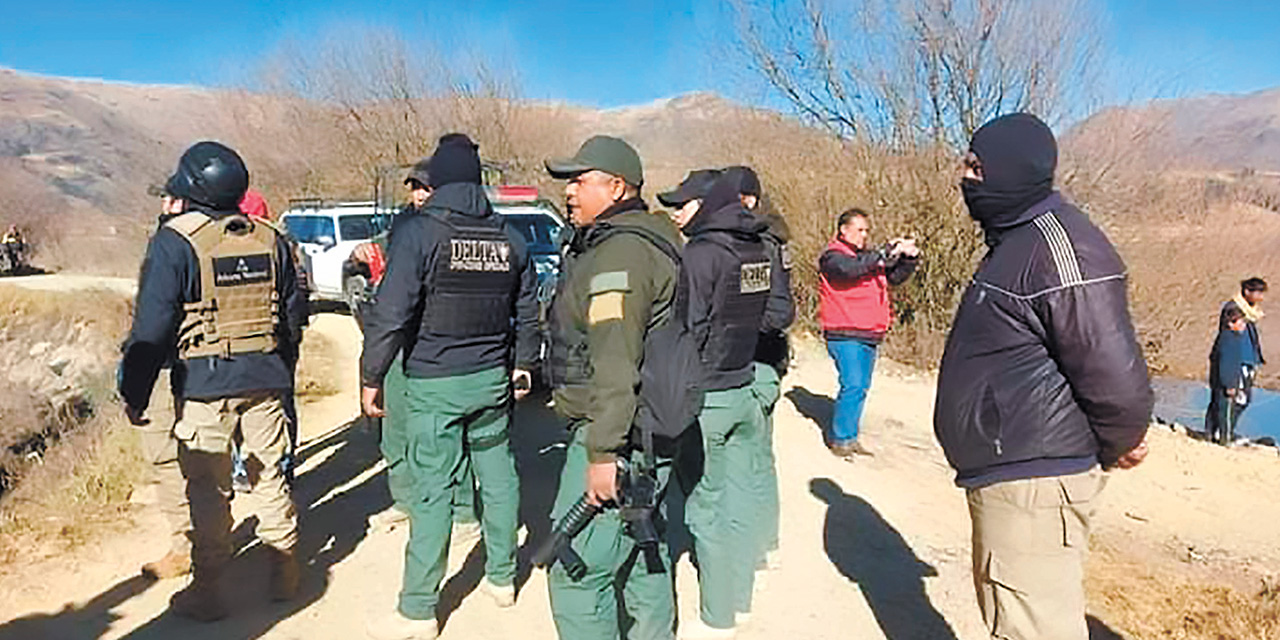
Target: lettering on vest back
[
  {"x": 235, "y": 271},
  {"x": 479, "y": 255},
  {"x": 755, "y": 277}
]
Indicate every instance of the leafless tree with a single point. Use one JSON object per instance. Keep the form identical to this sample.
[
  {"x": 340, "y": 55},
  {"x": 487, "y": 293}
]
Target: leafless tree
[{"x": 912, "y": 71}]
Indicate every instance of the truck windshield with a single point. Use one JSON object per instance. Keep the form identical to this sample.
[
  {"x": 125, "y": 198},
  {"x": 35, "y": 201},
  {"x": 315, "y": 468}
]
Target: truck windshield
[{"x": 310, "y": 229}]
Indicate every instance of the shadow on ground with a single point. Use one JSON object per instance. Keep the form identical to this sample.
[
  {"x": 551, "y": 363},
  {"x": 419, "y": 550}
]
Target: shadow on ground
[
  {"x": 331, "y": 527},
  {"x": 329, "y": 531},
  {"x": 818, "y": 408},
  {"x": 1098, "y": 630},
  {"x": 867, "y": 550},
  {"x": 538, "y": 437}
]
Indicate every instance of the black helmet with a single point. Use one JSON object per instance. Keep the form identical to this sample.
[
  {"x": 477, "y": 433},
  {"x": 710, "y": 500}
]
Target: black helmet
[{"x": 210, "y": 174}]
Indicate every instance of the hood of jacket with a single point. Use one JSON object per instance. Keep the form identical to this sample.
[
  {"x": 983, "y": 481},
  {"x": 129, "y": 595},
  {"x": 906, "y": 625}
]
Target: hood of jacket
[
  {"x": 461, "y": 197},
  {"x": 1018, "y": 154},
  {"x": 722, "y": 210}
]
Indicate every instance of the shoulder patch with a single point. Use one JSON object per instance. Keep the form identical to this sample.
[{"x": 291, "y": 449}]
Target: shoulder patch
[
  {"x": 609, "y": 281},
  {"x": 785, "y": 252},
  {"x": 606, "y": 306}
]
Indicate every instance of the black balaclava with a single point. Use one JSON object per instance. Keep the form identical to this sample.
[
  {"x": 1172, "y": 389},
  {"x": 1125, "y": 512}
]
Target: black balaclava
[
  {"x": 455, "y": 160},
  {"x": 1018, "y": 156}
]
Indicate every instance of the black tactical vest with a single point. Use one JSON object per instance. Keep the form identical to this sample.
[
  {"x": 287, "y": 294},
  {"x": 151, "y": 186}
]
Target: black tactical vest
[
  {"x": 735, "y": 325},
  {"x": 472, "y": 292}
]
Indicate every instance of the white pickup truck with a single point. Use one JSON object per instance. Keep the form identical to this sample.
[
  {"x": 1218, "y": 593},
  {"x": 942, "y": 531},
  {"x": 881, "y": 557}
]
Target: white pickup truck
[{"x": 326, "y": 232}]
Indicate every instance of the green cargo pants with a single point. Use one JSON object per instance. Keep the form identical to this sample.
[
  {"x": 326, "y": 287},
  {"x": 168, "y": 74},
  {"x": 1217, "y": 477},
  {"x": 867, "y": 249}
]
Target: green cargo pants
[
  {"x": 766, "y": 388},
  {"x": 394, "y": 392},
  {"x": 442, "y": 415},
  {"x": 723, "y": 504},
  {"x": 588, "y": 609}
]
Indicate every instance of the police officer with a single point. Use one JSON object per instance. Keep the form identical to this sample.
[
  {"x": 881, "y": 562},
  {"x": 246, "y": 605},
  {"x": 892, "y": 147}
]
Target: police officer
[
  {"x": 727, "y": 273},
  {"x": 466, "y": 529},
  {"x": 616, "y": 286},
  {"x": 460, "y": 289},
  {"x": 221, "y": 290},
  {"x": 773, "y": 353}
]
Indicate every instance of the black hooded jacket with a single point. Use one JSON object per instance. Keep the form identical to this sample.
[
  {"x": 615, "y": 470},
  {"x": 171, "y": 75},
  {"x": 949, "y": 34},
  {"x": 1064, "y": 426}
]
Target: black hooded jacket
[
  {"x": 708, "y": 263},
  {"x": 170, "y": 278},
  {"x": 1042, "y": 374},
  {"x": 419, "y": 249}
]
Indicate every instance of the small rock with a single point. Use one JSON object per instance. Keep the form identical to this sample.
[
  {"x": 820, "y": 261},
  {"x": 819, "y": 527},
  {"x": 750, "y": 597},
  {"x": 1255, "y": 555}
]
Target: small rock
[{"x": 59, "y": 365}]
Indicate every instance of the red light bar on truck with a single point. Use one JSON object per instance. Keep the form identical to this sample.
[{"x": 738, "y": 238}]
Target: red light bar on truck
[{"x": 513, "y": 193}]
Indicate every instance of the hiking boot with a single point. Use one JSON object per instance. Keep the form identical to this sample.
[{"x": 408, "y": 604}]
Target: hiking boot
[
  {"x": 696, "y": 629},
  {"x": 502, "y": 596},
  {"x": 284, "y": 575},
  {"x": 199, "y": 601},
  {"x": 173, "y": 564},
  {"x": 741, "y": 618},
  {"x": 398, "y": 627},
  {"x": 849, "y": 449}
]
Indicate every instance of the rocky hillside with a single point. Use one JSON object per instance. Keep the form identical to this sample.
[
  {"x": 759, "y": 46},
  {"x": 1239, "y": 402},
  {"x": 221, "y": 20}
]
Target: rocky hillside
[{"x": 1216, "y": 132}]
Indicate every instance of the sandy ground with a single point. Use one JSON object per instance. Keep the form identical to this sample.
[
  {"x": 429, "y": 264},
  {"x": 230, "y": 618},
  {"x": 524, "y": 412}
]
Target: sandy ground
[{"x": 873, "y": 549}]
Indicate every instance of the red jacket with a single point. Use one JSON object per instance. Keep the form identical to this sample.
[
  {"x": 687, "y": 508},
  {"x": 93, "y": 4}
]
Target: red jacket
[
  {"x": 254, "y": 205},
  {"x": 854, "y": 292}
]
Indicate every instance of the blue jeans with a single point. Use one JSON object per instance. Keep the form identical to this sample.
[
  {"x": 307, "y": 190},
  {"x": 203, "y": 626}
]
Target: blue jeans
[{"x": 855, "y": 359}]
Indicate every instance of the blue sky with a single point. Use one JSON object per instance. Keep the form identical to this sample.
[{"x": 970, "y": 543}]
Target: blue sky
[{"x": 595, "y": 52}]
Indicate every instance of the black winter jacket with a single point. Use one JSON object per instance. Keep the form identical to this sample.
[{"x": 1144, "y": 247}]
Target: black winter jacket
[
  {"x": 705, "y": 259},
  {"x": 419, "y": 245},
  {"x": 1042, "y": 373},
  {"x": 170, "y": 278}
]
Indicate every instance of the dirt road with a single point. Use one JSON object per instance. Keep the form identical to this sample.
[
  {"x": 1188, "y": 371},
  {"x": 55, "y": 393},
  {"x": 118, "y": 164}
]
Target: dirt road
[
  {"x": 73, "y": 282},
  {"x": 873, "y": 549}
]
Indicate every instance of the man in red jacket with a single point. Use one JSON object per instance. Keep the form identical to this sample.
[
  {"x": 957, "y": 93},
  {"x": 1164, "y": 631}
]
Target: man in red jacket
[{"x": 855, "y": 315}]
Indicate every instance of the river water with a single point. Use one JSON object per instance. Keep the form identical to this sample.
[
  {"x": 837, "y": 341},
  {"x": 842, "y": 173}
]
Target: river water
[{"x": 1184, "y": 402}]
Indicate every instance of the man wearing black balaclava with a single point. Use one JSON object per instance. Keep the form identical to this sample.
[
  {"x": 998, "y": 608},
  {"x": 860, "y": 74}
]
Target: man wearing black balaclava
[
  {"x": 1043, "y": 387},
  {"x": 459, "y": 301}
]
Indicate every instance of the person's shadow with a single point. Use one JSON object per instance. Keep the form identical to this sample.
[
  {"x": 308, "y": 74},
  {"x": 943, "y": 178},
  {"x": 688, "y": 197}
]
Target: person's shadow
[
  {"x": 819, "y": 408},
  {"x": 330, "y": 526},
  {"x": 870, "y": 552}
]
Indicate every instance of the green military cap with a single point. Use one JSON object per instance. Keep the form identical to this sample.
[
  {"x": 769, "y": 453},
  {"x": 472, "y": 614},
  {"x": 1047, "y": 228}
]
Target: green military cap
[{"x": 601, "y": 153}]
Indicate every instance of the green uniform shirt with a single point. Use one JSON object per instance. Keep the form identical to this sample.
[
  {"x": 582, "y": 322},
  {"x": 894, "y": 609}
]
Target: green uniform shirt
[{"x": 614, "y": 290}]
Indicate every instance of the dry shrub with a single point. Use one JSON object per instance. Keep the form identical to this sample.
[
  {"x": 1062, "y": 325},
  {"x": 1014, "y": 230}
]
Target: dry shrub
[
  {"x": 1160, "y": 604},
  {"x": 79, "y": 488},
  {"x": 810, "y": 178},
  {"x": 64, "y": 464}
]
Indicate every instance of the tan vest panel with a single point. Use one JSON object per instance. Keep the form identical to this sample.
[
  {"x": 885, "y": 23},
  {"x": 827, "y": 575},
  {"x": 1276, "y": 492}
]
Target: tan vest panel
[{"x": 237, "y": 310}]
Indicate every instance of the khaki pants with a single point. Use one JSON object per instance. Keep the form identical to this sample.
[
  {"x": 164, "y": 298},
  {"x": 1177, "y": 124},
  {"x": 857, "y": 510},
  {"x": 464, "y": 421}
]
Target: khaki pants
[
  {"x": 204, "y": 450},
  {"x": 160, "y": 449},
  {"x": 1030, "y": 538}
]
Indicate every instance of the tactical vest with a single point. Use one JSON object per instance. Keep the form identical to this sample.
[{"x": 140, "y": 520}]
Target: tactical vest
[
  {"x": 568, "y": 362},
  {"x": 472, "y": 292},
  {"x": 238, "y": 306},
  {"x": 735, "y": 325}
]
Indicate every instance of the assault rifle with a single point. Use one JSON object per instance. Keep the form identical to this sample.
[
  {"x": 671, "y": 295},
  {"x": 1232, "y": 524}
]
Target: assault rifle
[{"x": 637, "y": 503}]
